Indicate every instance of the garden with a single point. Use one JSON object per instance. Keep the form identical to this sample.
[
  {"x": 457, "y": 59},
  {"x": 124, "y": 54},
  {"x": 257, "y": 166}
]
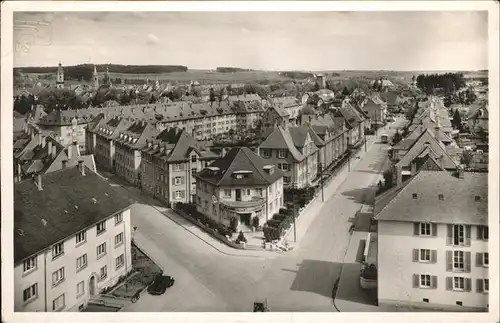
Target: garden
[
  {"x": 276, "y": 227},
  {"x": 298, "y": 196}
]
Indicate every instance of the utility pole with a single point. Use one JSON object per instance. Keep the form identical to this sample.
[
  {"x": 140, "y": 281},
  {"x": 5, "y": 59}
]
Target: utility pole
[
  {"x": 365, "y": 139},
  {"x": 320, "y": 166},
  {"x": 294, "y": 192}
]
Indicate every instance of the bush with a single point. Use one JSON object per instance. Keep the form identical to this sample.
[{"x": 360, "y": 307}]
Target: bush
[
  {"x": 272, "y": 233},
  {"x": 241, "y": 237},
  {"x": 255, "y": 222},
  {"x": 233, "y": 224},
  {"x": 283, "y": 211},
  {"x": 280, "y": 217},
  {"x": 273, "y": 223},
  {"x": 224, "y": 231}
]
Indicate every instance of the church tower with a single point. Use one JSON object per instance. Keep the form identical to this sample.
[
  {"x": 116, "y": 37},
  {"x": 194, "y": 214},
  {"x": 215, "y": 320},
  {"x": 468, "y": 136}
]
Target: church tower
[
  {"x": 60, "y": 77},
  {"x": 106, "y": 80},
  {"x": 96, "y": 78}
]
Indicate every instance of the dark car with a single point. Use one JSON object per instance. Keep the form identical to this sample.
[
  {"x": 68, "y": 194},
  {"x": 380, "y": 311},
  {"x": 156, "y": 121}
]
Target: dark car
[{"x": 160, "y": 284}]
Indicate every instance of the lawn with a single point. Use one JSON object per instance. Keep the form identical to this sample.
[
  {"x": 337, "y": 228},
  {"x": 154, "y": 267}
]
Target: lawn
[{"x": 144, "y": 272}]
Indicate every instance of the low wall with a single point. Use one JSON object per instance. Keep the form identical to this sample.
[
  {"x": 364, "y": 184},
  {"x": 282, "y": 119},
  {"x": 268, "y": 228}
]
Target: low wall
[{"x": 211, "y": 231}]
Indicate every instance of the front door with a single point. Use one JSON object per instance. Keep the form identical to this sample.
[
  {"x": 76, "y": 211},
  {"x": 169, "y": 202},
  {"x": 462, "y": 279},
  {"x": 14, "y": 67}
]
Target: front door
[
  {"x": 92, "y": 286},
  {"x": 245, "y": 218},
  {"x": 238, "y": 195}
]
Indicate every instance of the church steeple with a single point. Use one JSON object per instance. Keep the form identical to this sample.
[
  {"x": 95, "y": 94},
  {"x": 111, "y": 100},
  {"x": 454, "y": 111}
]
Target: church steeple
[
  {"x": 60, "y": 77},
  {"x": 96, "y": 78}
]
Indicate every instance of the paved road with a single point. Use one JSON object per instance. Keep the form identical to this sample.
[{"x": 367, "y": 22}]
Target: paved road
[{"x": 300, "y": 280}]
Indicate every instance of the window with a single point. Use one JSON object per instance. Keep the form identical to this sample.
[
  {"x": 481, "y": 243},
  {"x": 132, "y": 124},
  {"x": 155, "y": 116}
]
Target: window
[
  {"x": 282, "y": 153},
  {"x": 57, "y": 250},
  {"x": 425, "y": 281},
  {"x": 441, "y": 197},
  {"x": 118, "y": 239},
  {"x": 80, "y": 288},
  {"x": 259, "y": 191},
  {"x": 179, "y": 195},
  {"x": 266, "y": 153},
  {"x": 193, "y": 171},
  {"x": 103, "y": 272},
  {"x": 458, "y": 234},
  {"x": 486, "y": 285},
  {"x": 414, "y": 195},
  {"x": 227, "y": 192},
  {"x": 249, "y": 192},
  {"x": 286, "y": 179},
  {"x": 58, "y": 303},
  {"x": 29, "y": 264},
  {"x": 425, "y": 255},
  {"x": 482, "y": 233},
  {"x": 101, "y": 227},
  {"x": 486, "y": 260},
  {"x": 58, "y": 276},
  {"x": 119, "y": 218},
  {"x": 177, "y": 181},
  {"x": 458, "y": 283},
  {"x": 81, "y": 262},
  {"x": 458, "y": 260},
  {"x": 194, "y": 158},
  {"x": 101, "y": 249},
  {"x": 477, "y": 198},
  {"x": 425, "y": 229},
  {"x": 81, "y": 237},
  {"x": 30, "y": 292},
  {"x": 285, "y": 167},
  {"x": 119, "y": 261}
]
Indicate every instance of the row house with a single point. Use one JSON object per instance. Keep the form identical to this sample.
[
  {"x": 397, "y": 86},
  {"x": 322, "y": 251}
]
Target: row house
[
  {"x": 128, "y": 154},
  {"x": 433, "y": 242},
  {"x": 353, "y": 121},
  {"x": 376, "y": 110},
  {"x": 293, "y": 151},
  {"x": 426, "y": 153},
  {"x": 169, "y": 164},
  {"x": 42, "y": 154},
  {"x": 239, "y": 189},
  {"x": 274, "y": 116},
  {"x": 291, "y": 105},
  {"x": 248, "y": 114},
  {"x": 72, "y": 239}
]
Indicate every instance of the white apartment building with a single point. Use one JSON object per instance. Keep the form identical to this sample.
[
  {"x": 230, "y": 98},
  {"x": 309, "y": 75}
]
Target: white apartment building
[
  {"x": 72, "y": 238},
  {"x": 239, "y": 187},
  {"x": 433, "y": 242}
]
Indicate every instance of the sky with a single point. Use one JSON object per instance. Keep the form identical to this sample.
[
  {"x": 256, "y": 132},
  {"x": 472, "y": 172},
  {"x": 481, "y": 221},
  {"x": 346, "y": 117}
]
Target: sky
[{"x": 314, "y": 41}]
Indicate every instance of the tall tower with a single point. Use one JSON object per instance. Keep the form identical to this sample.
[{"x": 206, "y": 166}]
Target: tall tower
[
  {"x": 96, "y": 78},
  {"x": 60, "y": 77},
  {"x": 106, "y": 77}
]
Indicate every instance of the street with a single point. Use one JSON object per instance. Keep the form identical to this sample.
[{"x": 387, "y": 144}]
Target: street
[{"x": 213, "y": 277}]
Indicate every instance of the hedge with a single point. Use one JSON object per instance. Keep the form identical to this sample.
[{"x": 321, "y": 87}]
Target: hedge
[{"x": 190, "y": 210}]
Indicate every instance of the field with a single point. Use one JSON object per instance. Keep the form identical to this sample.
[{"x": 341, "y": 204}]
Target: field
[{"x": 207, "y": 76}]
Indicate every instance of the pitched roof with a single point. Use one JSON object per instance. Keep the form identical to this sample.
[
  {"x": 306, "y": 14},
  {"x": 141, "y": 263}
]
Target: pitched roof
[
  {"x": 280, "y": 138},
  {"x": 458, "y": 206},
  {"x": 240, "y": 159},
  {"x": 63, "y": 208},
  {"x": 318, "y": 142}
]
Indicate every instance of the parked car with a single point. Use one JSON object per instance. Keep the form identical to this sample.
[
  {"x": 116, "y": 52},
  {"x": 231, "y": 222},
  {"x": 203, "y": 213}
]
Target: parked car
[{"x": 160, "y": 284}]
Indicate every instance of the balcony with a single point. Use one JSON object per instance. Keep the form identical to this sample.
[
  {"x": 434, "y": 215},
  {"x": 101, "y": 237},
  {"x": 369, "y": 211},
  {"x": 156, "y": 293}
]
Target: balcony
[{"x": 256, "y": 203}]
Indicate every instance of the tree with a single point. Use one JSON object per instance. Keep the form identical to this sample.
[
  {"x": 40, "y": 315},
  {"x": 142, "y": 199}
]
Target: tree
[
  {"x": 466, "y": 158},
  {"x": 316, "y": 87},
  {"x": 397, "y": 137},
  {"x": 447, "y": 101},
  {"x": 346, "y": 91},
  {"x": 457, "y": 120},
  {"x": 212, "y": 97}
]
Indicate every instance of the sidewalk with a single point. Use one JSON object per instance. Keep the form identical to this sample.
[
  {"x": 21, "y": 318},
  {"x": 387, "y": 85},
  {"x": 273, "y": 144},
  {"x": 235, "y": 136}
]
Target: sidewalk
[
  {"x": 308, "y": 215},
  {"x": 185, "y": 224}
]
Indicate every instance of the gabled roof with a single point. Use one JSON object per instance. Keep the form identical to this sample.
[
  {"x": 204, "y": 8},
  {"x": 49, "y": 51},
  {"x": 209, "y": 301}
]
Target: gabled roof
[
  {"x": 61, "y": 209},
  {"x": 318, "y": 142},
  {"x": 240, "y": 159},
  {"x": 280, "y": 138},
  {"x": 459, "y": 204},
  {"x": 135, "y": 135},
  {"x": 418, "y": 147},
  {"x": 38, "y": 159}
]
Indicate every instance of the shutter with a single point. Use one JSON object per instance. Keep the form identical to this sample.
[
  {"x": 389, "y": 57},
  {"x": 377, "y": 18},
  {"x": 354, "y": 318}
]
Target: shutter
[
  {"x": 467, "y": 261},
  {"x": 416, "y": 229},
  {"x": 434, "y": 230},
  {"x": 449, "y": 283},
  {"x": 434, "y": 282},
  {"x": 415, "y": 255},
  {"x": 433, "y": 256},
  {"x": 479, "y": 259},
  {"x": 479, "y": 285},
  {"x": 416, "y": 282},
  {"x": 449, "y": 233},
  {"x": 449, "y": 260},
  {"x": 468, "y": 284},
  {"x": 182, "y": 180},
  {"x": 467, "y": 235}
]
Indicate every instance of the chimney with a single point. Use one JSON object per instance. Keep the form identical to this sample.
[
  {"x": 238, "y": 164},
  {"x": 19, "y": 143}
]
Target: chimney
[
  {"x": 19, "y": 172},
  {"x": 54, "y": 150},
  {"x": 38, "y": 181},
  {"x": 413, "y": 168},
  {"x": 70, "y": 152},
  {"x": 76, "y": 148},
  {"x": 64, "y": 164},
  {"x": 43, "y": 141},
  {"x": 398, "y": 179},
  {"x": 81, "y": 167}
]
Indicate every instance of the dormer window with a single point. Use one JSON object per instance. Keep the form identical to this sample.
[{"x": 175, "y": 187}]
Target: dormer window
[
  {"x": 477, "y": 198},
  {"x": 194, "y": 158},
  {"x": 266, "y": 153},
  {"x": 269, "y": 169},
  {"x": 441, "y": 197},
  {"x": 414, "y": 196},
  {"x": 282, "y": 153}
]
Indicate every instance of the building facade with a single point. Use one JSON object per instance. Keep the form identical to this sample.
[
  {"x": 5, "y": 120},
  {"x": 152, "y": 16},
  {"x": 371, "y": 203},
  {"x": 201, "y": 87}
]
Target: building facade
[{"x": 63, "y": 269}]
